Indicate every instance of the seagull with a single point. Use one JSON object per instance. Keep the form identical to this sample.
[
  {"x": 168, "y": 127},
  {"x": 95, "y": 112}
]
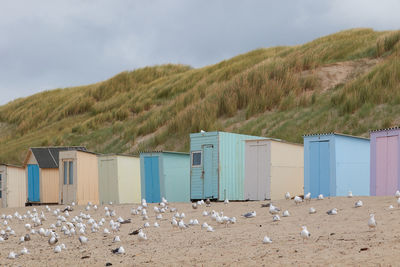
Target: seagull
[
  {"x": 312, "y": 210},
  {"x": 350, "y": 194},
  {"x": 208, "y": 202},
  {"x": 142, "y": 236},
  {"x": 250, "y": 214},
  {"x": 210, "y": 229},
  {"x": 119, "y": 250},
  {"x": 276, "y": 218},
  {"x": 204, "y": 225},
  {"x": 267, "y": 240},
  {"x": 320, "y": 197},
  {"x": 135, "y": 232},
  {"x": 83, "y": 239},
  {"x": 307, "y": 197},
  {"x": 273, "y": 210},
  {"x": 371, "y": 222},
  {"x": 202, "y": 131},
  {"x": 358, "y": 204},
  {"x": 305, "y": 234},
  {"x": 297, "y": 200},
  {"x": 116, "y": 239},
  {"x": 156, "y": 225},
  {"x": 146, "y": 225},
  {"x": 332, "y": 211},
  {"x": 287, "y": 196},
  {"x": 57, "y": 249},
  {"x": 53, "y": 240},
  {"x": 12, "y": 255},
  {"x": 391, "y": 207},
  {"x": 286, "y": 213},
  {"x": 24, "y": 251},
  {"x": 397, "y": 194},
  {"x": 182, "y": 225},
  {"x": 205, "y": 213},
  {"x": 226, "y": 201}
]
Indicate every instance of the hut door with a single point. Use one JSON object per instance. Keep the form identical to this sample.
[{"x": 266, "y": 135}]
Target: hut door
[
  {"x": 257, "y": 180},
  {"x": 152, "y": 179},
  {"x": 386, "y": 165},
  {"x": 319, "y": 169},
  {"x": 33, "y": 183},
  {"x": 68, "y": 189},
  {"x": 208, "y": 171}
]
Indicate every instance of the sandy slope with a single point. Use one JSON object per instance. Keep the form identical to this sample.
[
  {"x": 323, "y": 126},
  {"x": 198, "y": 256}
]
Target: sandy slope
[{"x": 336, "y": 240}]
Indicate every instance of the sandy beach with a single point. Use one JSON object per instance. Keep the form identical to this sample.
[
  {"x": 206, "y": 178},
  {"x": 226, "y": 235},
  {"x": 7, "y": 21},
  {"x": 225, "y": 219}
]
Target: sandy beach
[{"x": 337, "y": 240}]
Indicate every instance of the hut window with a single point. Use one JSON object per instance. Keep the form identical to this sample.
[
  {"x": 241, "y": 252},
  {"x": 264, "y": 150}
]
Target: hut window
[
  {"x": 68, "y": 172},
  {"x": 71, "y": 172},
  {"x": 196, "y": 159},
  {"x": 65, "y": 172}
]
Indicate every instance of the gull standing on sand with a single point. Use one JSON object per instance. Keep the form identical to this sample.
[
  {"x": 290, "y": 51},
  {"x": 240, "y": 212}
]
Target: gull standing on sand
[
  {"x": 320, "y": 197},
  {"x": 358, "y": 204},
  {"x": 371, "y": 222},
  {"x": 312, "y": 210},
  {"x": 397, "y": 194},
  {"x": 286, "y": 213},
  {"x": 350, "y": 194},
  {"x": 297, "y": 200},
  {"x": 273, "y": 210},
  {"x": 287, "y": 196},
  {"x": 305, "y": 234},
  {"x": 307, "y": 197}
]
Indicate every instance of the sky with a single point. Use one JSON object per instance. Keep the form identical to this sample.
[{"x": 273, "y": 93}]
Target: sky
[{"x": 47, "y": 44}]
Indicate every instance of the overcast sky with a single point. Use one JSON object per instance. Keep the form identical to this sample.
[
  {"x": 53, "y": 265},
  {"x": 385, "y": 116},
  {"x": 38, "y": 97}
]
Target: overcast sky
[{"x": 54, "y": 44}]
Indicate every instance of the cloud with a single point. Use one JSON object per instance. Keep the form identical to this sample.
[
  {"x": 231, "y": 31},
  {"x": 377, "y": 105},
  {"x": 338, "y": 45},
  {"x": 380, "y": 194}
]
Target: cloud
[{"x": 52, "y": 44}]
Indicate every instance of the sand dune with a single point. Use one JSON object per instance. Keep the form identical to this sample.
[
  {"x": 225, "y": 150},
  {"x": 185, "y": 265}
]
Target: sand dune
[{"x": 342, "y": 239}]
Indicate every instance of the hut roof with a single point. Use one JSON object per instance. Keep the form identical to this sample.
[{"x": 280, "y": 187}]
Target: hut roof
[{"x": 47, "y": 157}]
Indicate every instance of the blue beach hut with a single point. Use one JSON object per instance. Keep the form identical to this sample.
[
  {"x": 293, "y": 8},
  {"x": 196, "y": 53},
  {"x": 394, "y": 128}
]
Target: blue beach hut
[
  {"x": 165, "y": 174},
  {"x": 335, "y": 164}
]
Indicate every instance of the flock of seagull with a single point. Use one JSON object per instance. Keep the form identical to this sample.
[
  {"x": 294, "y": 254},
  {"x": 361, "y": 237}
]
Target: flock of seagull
[{"x": 82, "y": 225}]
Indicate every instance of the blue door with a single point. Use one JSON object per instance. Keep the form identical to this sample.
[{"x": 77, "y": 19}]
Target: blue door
[
  {"x": 208, "y": 172},
  {"x": 324, "y": 169},
  {"x": 33, "y": 183},
  {"x": 152, "y": 179},
  {"x": 319, "y": 169}
]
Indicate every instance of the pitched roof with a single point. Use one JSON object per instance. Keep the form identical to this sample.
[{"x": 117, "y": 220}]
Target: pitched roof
[{"x": 47, "y": 157}]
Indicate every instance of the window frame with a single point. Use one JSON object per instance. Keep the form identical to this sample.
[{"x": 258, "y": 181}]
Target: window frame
[
  {"x": 192, "y": 158},
  {"x": 71, "y": 172},
  {"x": 1, "y": 185}
]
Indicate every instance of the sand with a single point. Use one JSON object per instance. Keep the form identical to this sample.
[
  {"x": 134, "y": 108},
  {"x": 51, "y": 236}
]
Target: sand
[{"x": 337, "y": 240}]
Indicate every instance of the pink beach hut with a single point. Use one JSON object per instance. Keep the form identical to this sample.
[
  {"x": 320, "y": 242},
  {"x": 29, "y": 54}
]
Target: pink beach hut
[{"x": 385, "y": 162}]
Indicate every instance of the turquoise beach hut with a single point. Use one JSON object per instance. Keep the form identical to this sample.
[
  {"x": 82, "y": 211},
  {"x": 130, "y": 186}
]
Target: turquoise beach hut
[{"x": 165, "y": 174}]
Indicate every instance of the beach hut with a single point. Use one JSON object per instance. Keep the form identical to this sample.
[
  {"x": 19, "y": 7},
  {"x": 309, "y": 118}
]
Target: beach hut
[
  {"x": 42, "y": 173},
  {"x": 119, "y": 179},
  {"x": 78, "y": 177},
  {"x": 12, "y": 186},
  {"x": 217, "y": 165},
  {"x": 272, "y": 168},
  {"x": 385, "y": 173},
  {"x": 165, "y": 174},
  {"x": 335, "y": 164}
]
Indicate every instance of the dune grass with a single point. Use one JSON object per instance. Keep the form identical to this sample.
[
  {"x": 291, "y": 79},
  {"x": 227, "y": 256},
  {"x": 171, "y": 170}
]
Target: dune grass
[{"x": 263, "y": 92}]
